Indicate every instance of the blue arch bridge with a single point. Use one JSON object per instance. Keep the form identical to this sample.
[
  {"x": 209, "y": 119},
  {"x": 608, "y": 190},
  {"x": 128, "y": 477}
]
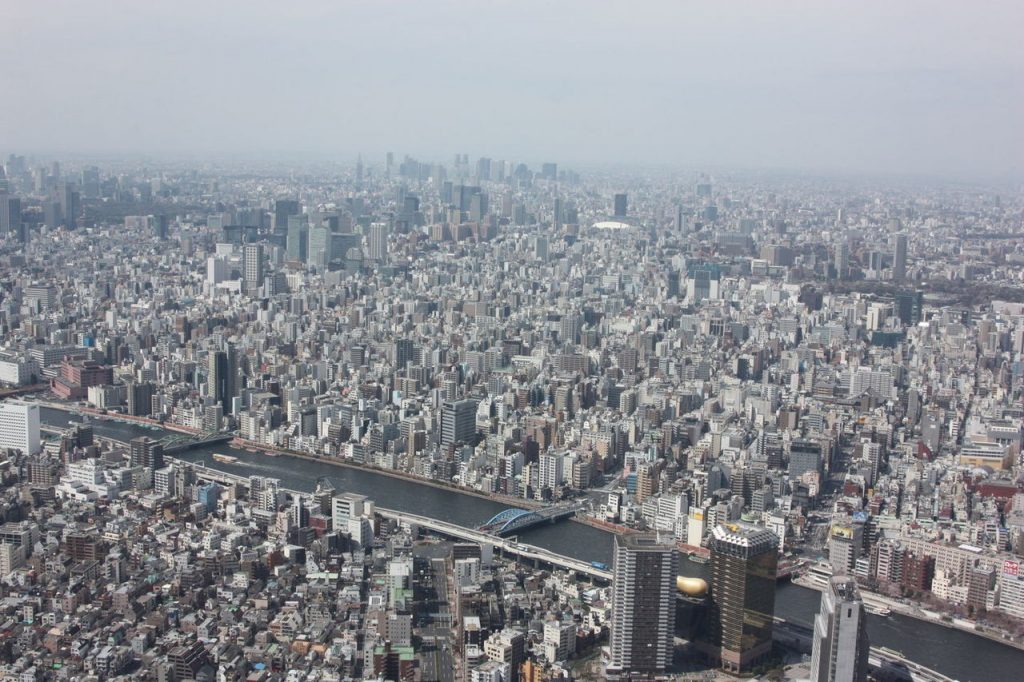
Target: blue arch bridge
[{"x": 514, "y": 520}]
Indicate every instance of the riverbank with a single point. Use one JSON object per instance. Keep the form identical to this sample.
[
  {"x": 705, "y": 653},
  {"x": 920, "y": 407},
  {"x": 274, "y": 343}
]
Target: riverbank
[
  {"x": 22, "y": 390},
  {"x": 271, "y": 453},
  {"x": 405, "y": 476},
  {"x": 877, "y": 600},
  {"x": 919, "y": 640},
  {"x": 102, "y": 415},
  {"x": 616, "y": 528},
  {"x": 275, "y": 451}
]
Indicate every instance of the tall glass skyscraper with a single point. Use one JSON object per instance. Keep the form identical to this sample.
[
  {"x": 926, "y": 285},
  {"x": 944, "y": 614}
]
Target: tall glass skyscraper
[{"x": 744, "y": 560}]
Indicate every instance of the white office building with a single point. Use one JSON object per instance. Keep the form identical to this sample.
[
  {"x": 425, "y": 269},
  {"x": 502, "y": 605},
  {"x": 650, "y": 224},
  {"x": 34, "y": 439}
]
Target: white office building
[
  {"x": 840, "y": 649},
  {"x": 19, "y": 426}
]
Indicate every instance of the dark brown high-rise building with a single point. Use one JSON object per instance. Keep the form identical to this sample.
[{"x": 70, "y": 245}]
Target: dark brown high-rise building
[
  {"x": 82, "y": 546},
  {"x": 147, "y": 453},
  {"x": 744, "y": 560},
  {"x": 186, "y": 660},
  {"x": 979, "y": 582},
  {"x": 918, "y": 570},
  {"x": 41, "y": 473},
  {"x": 621, "y": 205},
  {"x": 140, "y": 398},
  {"x": 10, "y": 217}
]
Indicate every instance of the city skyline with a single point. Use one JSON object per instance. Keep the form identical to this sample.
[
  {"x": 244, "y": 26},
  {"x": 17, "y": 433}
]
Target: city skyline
[
  {"x": 511, "y": 341},
  {"x": 651, "y": 86},
  {"x": 759, "y": 373}
]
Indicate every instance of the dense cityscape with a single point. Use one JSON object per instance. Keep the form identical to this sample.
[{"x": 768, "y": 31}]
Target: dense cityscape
[
  {"x": 730, "y": 381},
  {"x": 451, "y": 341}
]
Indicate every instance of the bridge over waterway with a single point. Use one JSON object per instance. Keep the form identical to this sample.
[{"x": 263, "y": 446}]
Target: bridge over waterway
[
  {"x": 508, "y": 546},
  {"x": 511, "y": 521}
]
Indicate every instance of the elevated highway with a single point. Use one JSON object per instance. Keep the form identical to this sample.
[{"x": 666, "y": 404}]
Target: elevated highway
[{"x": 507, "y": 546}]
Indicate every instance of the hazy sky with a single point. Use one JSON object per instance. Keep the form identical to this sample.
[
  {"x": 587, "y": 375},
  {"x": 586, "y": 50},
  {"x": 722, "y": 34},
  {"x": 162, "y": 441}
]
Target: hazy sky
[{"x": 931, "y": 87}]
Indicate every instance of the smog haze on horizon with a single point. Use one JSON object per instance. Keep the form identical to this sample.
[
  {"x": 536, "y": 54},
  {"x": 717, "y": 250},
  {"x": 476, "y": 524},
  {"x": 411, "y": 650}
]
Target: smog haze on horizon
[{"x": 907, "y": 87}]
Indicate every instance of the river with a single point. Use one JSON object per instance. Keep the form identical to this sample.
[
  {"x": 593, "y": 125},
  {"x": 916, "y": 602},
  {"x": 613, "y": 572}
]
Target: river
[{"x": 940, "y": 648}]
